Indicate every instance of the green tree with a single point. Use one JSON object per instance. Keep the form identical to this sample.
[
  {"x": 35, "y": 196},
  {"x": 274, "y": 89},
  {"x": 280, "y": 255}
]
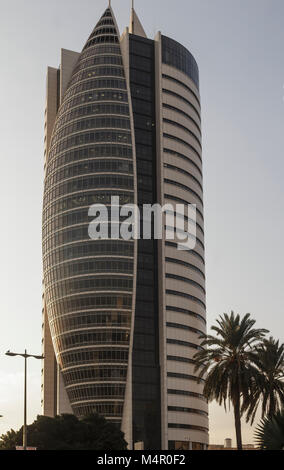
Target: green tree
[
  {"x": 270, "y": 432},
  {"x": 227, "y": 362},
  {"x": 66, "y": 432},
  {"x": 268, "y": 390}
]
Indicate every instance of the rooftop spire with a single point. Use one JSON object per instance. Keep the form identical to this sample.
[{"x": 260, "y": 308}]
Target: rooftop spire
[{"x": 135, "y": 26}]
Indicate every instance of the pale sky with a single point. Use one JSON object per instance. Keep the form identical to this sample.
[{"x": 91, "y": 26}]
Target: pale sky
[{"x": 239, "y": 46}]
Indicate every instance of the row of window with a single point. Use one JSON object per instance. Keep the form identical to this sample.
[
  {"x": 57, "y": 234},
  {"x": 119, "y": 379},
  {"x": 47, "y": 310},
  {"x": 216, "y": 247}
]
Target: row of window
[
  {"x": 67, "y": 236},
  {"x": 72, "y": 220},
  {"x": 112, "y": 83},
  {"x": 88, "y": 302},
  {"x": 96, "y": 71},
  {"x": 92, "y": 123},
  {"x": 101, "y": 49},
  {"x": 186, "y": 360},
  {"x": 192, "y": 252},
  {"x": 78, "y": 268},
  {"x": 96, "y": 391},
  {"x": 73, "y": 340},
  {"x": 185, "y": 264},
  {"x": 186, "y": 393},
  {"x": 90, "y": 166},
  {"x": 183, "y": 226},
  {"x": 100, "y": 374},
  {"x": 87, "y": 320},
  {"x": 182, "y": 231},
  {"x": 184, "y": 143},
  {"x": 88, "y": 284},
  {"x": 170, "y": 308},
  {"x": 183, "y": 409},
  {"x": 184, "y": 327},
  {"x": 88, "y": 182},
  {"x": 71, "y": 234},
  {"x": 184, "y": 172},
  {"x": 85, "y": 200},
  {"x": 105, "y": 21},
  {"x": 188, "y": 426},
  {"x": 89, "y": 249},
  {"x": 184, "y": 445},
  {"x": 96, "y": 151},
  {"x": 107, "y": 13},
  {"x": 93, "y": 96},
  {"x": 190, "y": 220},
  {"x": 87, "y": 109},
  {"x": 103, "y": 30},
  {"x": 102, "y": 40},
  {"x": 103, "y": 409},
  {"x": 186, "y": 115},
  {"x": 65, "y": 220},
  {"x": 96, "y": 355},
  {"x": 183, "y": 128},
  {"x": 183, "y": 99},
  {"x": 177, "y": 375},
  {"x": 184, "y": 187},
  {"x": 182, "y": 84},
  {"x": 186, "y": 296},
  {"x": 185, "y": 279},
  {"x": 183, "y": 343},
  {"x": 79, "y": 217},
  {"x": 106, "y": 136},
  {"x": 182, "y": 201},
  {"x": 184, "y": 157}
]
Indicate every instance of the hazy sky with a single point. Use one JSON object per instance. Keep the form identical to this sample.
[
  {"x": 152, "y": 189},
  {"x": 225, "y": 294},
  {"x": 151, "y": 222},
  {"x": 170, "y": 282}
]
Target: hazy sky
[{"x": 239, "y": 46}]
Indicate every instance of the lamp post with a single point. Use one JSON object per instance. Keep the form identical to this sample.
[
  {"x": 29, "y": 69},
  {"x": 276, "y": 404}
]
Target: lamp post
[{"x": 25, "y": 355}]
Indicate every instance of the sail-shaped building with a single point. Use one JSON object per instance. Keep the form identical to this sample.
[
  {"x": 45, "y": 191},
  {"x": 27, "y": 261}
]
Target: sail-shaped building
[{"x": 122, "y": 319}]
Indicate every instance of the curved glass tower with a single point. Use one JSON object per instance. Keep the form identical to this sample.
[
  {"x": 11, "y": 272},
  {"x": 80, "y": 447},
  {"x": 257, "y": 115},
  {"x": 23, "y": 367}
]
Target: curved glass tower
[
  {"x": 122, "y": 319},
  {"x": 89, "y": 283}
]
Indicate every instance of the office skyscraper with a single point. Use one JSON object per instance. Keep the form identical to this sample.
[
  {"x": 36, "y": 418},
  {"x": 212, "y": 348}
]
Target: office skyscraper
[{"x": 122, "y": 319}]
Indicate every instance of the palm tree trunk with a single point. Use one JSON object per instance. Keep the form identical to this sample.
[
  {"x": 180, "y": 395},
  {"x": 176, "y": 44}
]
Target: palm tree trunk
[
  {"x": 271, "y": 411},
  {"x": 238, "y": 428}
]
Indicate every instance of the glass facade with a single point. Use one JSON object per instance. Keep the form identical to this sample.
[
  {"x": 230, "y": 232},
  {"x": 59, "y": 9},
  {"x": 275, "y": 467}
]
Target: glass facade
[
  {"x": 176, "y": 55},
  {"x": 89, "y": 283},
  {"x": 145, "y": 370}
]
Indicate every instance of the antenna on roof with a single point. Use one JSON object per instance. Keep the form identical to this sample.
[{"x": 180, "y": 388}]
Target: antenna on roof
[
  {"x": 109, "y": 3},
  {"x": 132, "y": 16}
]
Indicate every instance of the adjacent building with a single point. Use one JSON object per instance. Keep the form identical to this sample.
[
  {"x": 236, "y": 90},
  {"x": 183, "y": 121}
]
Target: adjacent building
[{"x": 122, "y": 319}]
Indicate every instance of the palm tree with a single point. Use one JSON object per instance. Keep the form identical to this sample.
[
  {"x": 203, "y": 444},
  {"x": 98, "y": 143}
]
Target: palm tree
[
  {"x": 270, "y": 432},
  {"x": 269, "y": 388},
  {"x": 228, "y": 361}
]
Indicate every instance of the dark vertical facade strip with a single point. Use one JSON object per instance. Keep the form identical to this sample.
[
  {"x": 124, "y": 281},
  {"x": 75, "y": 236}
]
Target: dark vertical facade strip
[{"x": 145, "y": 359}]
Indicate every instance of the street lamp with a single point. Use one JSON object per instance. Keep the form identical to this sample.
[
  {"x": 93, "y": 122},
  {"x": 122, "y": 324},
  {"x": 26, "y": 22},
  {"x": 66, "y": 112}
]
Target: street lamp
[{"x": 25, "y": 355}]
